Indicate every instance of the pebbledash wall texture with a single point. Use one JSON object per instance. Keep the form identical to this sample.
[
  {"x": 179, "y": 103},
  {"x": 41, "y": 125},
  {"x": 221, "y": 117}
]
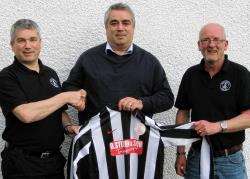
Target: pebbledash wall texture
[{"x": 168, "y": 29}]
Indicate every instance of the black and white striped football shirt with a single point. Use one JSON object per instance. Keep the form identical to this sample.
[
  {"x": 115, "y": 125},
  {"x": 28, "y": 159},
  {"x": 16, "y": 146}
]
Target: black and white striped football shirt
[{"x": 120, "y": 145}]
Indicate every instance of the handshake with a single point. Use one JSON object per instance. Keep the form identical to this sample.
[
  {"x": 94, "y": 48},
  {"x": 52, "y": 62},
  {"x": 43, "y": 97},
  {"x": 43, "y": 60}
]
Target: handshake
[{"x": 76, "y": 99}]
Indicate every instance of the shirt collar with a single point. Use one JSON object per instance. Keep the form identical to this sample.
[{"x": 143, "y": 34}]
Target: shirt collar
[
  {"x": 224, "y": 68},
  {"x": 23, "y": 67},
  {"x": 109, "y": 48}
]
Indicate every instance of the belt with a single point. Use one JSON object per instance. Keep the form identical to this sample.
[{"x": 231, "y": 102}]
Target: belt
[
  {"x": 228, "y": 151},
  {"x": 44, "y": 154}
]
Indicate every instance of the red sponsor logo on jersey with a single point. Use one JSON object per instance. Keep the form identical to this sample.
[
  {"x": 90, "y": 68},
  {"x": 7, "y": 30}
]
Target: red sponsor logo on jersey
[{"x": 123, "y": 147}]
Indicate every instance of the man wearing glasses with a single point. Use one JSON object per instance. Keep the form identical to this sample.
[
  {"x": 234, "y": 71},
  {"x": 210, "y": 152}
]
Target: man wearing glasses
[{"x": 216, "y": 91}]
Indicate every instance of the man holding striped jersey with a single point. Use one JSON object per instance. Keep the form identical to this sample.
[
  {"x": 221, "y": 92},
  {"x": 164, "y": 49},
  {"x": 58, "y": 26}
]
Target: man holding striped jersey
[{"x": 118, "y": 73}]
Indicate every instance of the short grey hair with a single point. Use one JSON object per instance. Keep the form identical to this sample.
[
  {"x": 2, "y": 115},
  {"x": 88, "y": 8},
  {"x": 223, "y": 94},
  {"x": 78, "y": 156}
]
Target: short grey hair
[
  {"x": 23, "y": 24},
  {"x": 118, "y": 6}
]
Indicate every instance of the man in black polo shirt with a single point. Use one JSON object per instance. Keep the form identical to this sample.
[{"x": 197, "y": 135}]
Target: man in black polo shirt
[
  {"x": 33, "y": 105},
  {"x": 216, "y": 91}
]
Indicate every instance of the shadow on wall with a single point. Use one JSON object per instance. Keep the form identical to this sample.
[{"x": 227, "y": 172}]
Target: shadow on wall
[{"x": 2, "y": 126}]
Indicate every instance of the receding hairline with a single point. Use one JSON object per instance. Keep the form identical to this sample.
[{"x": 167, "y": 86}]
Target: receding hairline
[{"x": 212, "y": 25}]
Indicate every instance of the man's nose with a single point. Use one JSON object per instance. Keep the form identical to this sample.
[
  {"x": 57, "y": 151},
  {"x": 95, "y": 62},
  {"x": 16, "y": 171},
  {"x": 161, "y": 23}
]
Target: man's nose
[
  {"x": 27, "y": 44},
  {"x": 120, "y": 26},
  {"x": 212, "y": 43}
]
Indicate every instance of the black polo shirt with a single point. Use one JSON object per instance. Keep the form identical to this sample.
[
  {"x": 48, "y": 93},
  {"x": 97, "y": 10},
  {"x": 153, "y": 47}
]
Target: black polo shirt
[
  {"x": 19, "y": 85},
  {"x": 222, "y": 97}
]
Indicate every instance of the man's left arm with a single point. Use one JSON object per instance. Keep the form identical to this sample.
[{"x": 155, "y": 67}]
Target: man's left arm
[{"x": 235, "y": 124}]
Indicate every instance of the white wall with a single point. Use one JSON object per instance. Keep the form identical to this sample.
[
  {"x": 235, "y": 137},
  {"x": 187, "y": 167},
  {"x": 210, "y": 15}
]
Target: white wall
[{"x": 168, "y": 29}]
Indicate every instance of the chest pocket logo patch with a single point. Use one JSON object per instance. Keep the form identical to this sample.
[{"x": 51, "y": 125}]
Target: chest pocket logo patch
[
  {"x": 225, "y": 85},
  {"x": 53, "y": 82}
]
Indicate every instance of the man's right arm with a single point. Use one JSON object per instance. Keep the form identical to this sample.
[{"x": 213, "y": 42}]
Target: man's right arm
[
  {"x": 75, "y": 78},
  {"x": 35, "y": 111},
  {"x": 182, "y": 116}
]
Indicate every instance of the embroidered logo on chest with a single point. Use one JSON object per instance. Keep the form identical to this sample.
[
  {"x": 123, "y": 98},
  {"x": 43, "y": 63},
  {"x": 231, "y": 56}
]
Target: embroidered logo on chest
[
  {"x": 53, "y": 82},
  {"x": 225, "y": 85}
]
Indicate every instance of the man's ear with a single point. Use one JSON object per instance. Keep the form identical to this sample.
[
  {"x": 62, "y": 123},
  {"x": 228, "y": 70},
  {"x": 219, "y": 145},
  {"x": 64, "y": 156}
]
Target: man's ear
[
  {"x": 11, "y": 45},
  {"x": 226, "y": 45},
  {"x": 199, "y": 45}
]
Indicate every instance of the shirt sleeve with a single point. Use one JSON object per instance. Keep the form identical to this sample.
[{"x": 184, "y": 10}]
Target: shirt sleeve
[
  {"x": 75, "y": 79},
  {"x": 64, "y": 107},
  {"x": 11, "y": 94},
  {"x": 243, "y": 93},
  {"x": 162, "y": 97},
  {"x": 182, "y": 101}
]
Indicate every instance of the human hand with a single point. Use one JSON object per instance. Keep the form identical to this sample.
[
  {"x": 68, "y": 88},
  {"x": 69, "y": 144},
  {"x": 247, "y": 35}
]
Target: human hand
[
  {"x": 130, "y": 104},
  {"x": 73, "y": 129},
  {"x": 180, "y": 164},
  {"x": 77, "y": 99},
  {"x": 203, "y": 127}
]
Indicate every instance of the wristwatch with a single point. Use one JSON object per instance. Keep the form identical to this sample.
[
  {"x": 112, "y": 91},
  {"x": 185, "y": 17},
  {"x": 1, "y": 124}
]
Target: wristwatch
[{"x": 223, "y": 125}]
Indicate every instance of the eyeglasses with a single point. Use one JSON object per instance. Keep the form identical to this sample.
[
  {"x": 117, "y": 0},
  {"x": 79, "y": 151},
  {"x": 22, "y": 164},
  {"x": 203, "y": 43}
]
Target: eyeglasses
[{"x": 216, "y": 41}]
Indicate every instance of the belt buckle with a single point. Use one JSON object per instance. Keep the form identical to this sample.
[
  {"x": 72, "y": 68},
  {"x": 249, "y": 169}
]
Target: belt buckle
[
  {"x": 45, "y": 155},
  {"x": 226, "y": 152}
]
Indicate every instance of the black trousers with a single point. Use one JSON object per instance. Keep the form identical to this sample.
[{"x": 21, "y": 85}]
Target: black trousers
[{"x": 18, "y": 165}]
